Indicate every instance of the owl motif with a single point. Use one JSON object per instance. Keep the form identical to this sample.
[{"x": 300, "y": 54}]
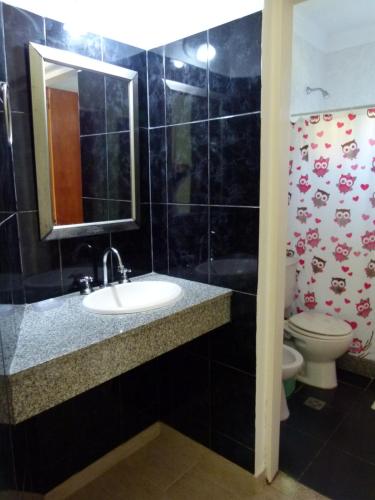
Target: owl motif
[
  {"x": 289, "y": 197},
  {"x": 320, "y": 198},
  {"x": 305, "y": 152},
  {"x": 373, "y": 165},
  {"x": 302, "y": 214},
  {"x": 338, "y": 285},
  {"x": 363, "y": 308},
  {"x": 301, "y": 246},
  {"x": 321, "y": 166},
  {"x": 370, "y": 269},
  {"x": 310, "y": 301},
  {"x": 327, "y": 117},
  {"x": 342, "y": 252},
  {"x": 290, "y": 252},
  {"x": 372, "y": 200},
  {"x": 342, "y": 217},
  {"x": 303, "y": 183},
  {"x": 312, "y": 236},
  {"x": 368, "y": 240},
  {"x": 346, "y": 182},
  {"x": 350, "y": 149},
  {"x": 318, "y": 264}
]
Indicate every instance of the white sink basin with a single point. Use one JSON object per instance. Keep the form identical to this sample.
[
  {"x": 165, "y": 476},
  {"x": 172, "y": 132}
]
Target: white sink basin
[{"x": 133, "y": 297}]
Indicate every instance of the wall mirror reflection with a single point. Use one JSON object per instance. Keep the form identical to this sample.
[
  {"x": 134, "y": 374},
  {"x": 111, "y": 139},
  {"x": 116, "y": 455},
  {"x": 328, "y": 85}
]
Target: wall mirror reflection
[{"x": 86, "y": 143}]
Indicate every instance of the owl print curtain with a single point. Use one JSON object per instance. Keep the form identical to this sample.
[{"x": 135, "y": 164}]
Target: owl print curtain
[{"x": 332, "y": 219}]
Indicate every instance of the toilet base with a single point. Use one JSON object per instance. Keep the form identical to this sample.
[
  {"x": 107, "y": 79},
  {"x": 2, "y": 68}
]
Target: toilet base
[
  {"x": 321, "y": 375},
  {"x": 284, "y": 410}
]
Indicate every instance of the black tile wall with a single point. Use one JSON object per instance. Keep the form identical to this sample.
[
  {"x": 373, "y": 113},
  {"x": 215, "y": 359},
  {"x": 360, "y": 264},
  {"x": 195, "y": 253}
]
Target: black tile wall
[
  {"x": 204, "y": 176},
  {"x": 49, "y": 269},
  {"x": 234, "y": 72},
  {"x": 183, "y": 67},
  {"x": 199, "y": 198}
]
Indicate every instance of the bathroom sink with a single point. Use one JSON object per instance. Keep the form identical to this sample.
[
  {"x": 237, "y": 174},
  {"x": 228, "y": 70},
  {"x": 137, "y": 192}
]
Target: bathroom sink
[{"x": 133, "y": 297}]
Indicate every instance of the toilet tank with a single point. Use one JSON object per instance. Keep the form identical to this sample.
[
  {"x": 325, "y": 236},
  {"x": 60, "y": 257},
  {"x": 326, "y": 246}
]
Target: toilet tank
[{"x": 290, "y": 280}]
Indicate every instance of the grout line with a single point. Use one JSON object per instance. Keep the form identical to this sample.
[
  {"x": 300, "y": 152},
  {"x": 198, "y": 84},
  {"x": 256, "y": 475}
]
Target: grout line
[
  {"x": 166, "y": 161},
  {"x": 207, "y": 205},
  {"x": 149, "y": 166},
  {"x": 105, "y": 133},
  {"x": 207, "y": 119},
  {"x": 249, "y": 374}
]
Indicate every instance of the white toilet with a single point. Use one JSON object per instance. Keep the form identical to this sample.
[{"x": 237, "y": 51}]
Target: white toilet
[
  {"x": 321, "y": 339},
  {"x": 292, "y": 360}
]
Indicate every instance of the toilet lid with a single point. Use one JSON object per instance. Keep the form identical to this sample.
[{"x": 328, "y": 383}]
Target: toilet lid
[{"x": 320, "y": 324}]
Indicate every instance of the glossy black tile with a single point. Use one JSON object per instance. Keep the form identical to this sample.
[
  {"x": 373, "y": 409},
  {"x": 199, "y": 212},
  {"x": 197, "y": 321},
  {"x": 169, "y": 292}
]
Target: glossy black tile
[
  {"x": 188, "y": 242},
  {"x": 186, "y": 80},
  {"x": 135, "y": 245},
  {"x": 7, "y": 475},
  {"x": 11, "y": 284},
  {"x": 156, "y": 87},
  {"x": 186, "y": 387},
  {"x": 342, "y": 398},
  {"x": 353, "y": 378},
  {"x": 234, "y": 248},
  {"x": 94, "y": 166},
  {"x": 235, "y": 160},
  {"x": 144, "y": 166},
  {"x": 233, "y": 405},
  {"x": 233, "y": 451},
  {"x": 23, "y": 162},
  {"x": 95, "y": 209},
  {"x": 40, "y": 261},
  {"x": 199, "y": 346},
  {"x": 234, "y": 72},
  {"x": 7, "y": 191},
  {"x": 65, "y": 37},
  {"x": 158, "y": 162},
  {"x": 319, "y": 424},
  {"x": 82, "y": 257},
  {"x": 91, "y": 102},
  {"x": 132, "y": 58},
  {"x": 187, "y": 163},
  {"x": 118, "y": 209},
  {"x": 117, "y": 104},
  {"x": 339, "y": 475},
  {"x": 20, "y": 28},
  {"x": 356, "y": 433},
  {"x": 160, "y": 238},
  {"x": 118, "y": 150},
  {"x": 297, "y": 450},
  {"x": 234, "y": 344}
]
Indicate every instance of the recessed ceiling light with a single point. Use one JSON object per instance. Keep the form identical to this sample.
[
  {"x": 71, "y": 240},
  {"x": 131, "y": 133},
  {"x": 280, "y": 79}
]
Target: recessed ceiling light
[{"x": 178, "y": 64}]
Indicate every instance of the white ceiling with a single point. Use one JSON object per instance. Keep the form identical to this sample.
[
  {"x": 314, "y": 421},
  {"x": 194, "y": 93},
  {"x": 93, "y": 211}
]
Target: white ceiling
[
  {"x": 333, "y": 25},
  {"x": 143, "y": 23}
]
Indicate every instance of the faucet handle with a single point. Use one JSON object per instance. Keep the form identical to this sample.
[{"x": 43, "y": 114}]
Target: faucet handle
[
  {"x": 86, "y": 285},
  {"x": 123, "y": 274}
]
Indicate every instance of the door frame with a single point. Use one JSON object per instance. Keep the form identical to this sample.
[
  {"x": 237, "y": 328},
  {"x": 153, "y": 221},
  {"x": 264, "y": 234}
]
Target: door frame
[{"x": 277, "y": 35}]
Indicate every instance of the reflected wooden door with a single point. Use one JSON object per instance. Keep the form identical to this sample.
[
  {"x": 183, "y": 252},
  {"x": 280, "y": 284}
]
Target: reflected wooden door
[{"x": 65, "y": 156}]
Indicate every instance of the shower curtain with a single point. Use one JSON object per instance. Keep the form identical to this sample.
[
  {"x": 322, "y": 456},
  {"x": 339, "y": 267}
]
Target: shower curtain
[{"x": 331, "y": 226}]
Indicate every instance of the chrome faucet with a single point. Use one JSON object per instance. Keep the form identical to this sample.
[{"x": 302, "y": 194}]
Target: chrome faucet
[{"x": 121, "y": 269}]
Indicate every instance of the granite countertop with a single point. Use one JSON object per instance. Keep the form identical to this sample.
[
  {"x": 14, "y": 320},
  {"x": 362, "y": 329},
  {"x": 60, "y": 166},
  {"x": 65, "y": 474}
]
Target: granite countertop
[{"x": 63, "y": 343}]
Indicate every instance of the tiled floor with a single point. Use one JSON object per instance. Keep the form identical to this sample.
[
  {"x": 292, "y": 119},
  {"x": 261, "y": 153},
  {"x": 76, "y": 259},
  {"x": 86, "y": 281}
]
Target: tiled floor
[
  {"x": 332, "y": 450},
  {"x": 173, "y": 467}
]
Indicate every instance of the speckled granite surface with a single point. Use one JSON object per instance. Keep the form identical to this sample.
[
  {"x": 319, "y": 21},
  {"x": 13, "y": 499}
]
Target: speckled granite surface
[{"x": 63, "y": 350}]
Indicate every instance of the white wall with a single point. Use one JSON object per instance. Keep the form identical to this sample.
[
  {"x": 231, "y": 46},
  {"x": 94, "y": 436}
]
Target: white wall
[{"x": 347, "y": 74}]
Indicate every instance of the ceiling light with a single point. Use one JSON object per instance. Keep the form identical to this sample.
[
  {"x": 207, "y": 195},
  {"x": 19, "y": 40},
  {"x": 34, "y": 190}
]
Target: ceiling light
[{"x": 206, "y": 52}]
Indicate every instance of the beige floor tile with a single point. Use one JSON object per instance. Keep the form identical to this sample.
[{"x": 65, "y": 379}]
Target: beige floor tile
[
  {"x": 166, "y": 459},
  {"x": 285, "y": 484},
  {"x": 195, "y": 486},
  {"x": 228, "y": 475},
  {"x": 304, "y": 493},
  {"x": 94, "y": 491}
]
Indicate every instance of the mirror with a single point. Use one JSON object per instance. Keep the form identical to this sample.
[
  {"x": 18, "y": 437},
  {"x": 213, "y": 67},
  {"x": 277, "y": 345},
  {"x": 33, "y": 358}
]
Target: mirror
[{"x": 85, "y": 120}]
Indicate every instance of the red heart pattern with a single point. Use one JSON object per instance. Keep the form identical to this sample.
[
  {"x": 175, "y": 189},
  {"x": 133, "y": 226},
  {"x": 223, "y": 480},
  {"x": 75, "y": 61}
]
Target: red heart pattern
[{"x": 335, "y": 219}]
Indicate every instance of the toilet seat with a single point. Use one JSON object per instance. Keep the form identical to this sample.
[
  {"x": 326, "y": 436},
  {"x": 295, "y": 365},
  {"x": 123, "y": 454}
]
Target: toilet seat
[{"x": 318, "y": 326}]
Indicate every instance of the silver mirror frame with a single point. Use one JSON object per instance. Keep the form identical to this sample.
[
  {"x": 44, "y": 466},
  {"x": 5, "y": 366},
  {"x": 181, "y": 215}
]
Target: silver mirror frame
[{"x": 48, "y": 231}]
